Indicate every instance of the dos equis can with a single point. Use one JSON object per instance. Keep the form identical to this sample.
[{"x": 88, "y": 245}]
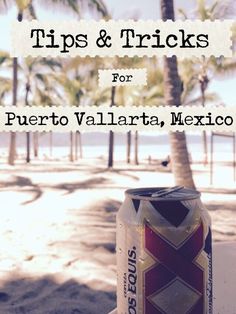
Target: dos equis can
[{"x": 164, "y": 258}]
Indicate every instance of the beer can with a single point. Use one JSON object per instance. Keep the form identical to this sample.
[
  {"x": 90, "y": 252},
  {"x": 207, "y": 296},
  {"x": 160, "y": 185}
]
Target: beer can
[{"x": 164, "y": 253}]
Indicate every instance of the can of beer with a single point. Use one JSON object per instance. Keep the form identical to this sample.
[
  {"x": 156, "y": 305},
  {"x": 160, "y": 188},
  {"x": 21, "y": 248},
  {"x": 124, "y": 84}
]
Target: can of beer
[{"x": 164, "y": 256}]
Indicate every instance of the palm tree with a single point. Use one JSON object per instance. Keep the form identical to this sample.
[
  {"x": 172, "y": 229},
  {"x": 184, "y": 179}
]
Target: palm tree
[
  {"x": 129, "y": 139},
  {"x": 75, "y": 6},
  {"x": 208, "y": 68},
  {"x": 190, "y": 80},
  {"x": 128, "y": 95},
  {"x": 22, "y": 5},
  {"x": 5, "y": 82},
  {"x": 111, "y": 133},
  {"x": 5, "y": 88},
  {"x": 4, "y": 57},
  {"x": 216, "y": 11},
  {"x": 73, "y": 90},
  {"x": 151, "y": 95},
  {"x": 37, "y": 81},
  {"x": 27, "y": 90},
  {"x": 87, "y": 74},
  {"x": 36, "y": 143},
  {"x": 27, "y": 6},
  {"x": 136, "y": 159},
  {"x": 173, "y": 89},
  {"x": 194, "y": 75},
  {"x": 45, "y": 92},
  {"x": 12, "y": 148}
]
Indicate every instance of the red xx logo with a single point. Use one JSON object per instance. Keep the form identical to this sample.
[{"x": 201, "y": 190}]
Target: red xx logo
[{"x": 173, "y": 263}]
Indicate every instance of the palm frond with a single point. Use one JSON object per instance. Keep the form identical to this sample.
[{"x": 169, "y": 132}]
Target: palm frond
[
  {"x": 202, "y": 11},
  {"x": 228, "y": 69},
  {"x": 31, "y": 11},
  {"x": 5, "y": 87},
  {"x": 42, "y": 78},
  {"x": 50, "y": 63},
  {"x": 99, "y": 7},
  {"x": 4, "y": 56},
  {"x": 213, "y": 7},
  {"x": 182, "y": 14},
  {"x": 22, "y": 4},
  {"x": 43, "y": 99},
  {"x": 223, "y": 9},
  {"x": 5, "y": 5},
  {"x": 68, "y": 5}
]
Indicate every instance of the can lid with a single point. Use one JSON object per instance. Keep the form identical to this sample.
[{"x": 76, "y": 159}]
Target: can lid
[{"x": 163, "y": 193}]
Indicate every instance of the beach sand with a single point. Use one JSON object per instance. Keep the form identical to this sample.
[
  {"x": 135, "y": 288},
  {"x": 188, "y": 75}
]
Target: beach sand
[{"x": 58, "y": 230}]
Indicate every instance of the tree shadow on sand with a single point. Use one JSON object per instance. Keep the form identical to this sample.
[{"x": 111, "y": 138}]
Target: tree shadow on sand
[
  {"x": 213, "y": 190},
  {"x": 221, "y": 205},
  {"x": 104, "y": 219},
  {"x": 86, "y": 184},
  {"x": 26, "y": 184},
  {"x": 223, "y": 216},
  {"x": 122, "y": 172},
  {"x": 96, "y": 183},
  {"x": 46, "y": 296},
  {"x": 94, "y": 231}
]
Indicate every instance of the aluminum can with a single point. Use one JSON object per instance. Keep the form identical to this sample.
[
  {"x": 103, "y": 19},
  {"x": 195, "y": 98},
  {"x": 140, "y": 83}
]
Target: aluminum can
[{"x": 164, "y": 253}]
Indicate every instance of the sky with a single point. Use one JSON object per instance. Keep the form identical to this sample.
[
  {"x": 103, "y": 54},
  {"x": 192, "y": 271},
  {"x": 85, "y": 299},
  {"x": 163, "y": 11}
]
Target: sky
[{"x": 122, "y": 9}]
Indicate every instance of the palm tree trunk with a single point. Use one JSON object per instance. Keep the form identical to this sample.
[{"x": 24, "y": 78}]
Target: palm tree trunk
[
  {"x": 12, "y": 146},
  {"x": 71, "y": 146},
  {"x": 28, "y": 147},
  {"x": 12, "y": 149},
  {"x": 50, "y": 143},
  {"x": 111, "y": 133},
  {"x": 167, "y": 10},
  {"x": 78, "y": 145},
  {"x": 36, "y": 143},
  {"x": 27, "y": 90},
  {"x": 173, "y": 89},
  {"x": 128, "y": 146},
  {"x": 204, "y": 135},
  {"x": 204, "y": 138},
  {"x": 111, "y": 149},
  {"x": 136, "y": 161},
  {"x": 180, "y": 160}
]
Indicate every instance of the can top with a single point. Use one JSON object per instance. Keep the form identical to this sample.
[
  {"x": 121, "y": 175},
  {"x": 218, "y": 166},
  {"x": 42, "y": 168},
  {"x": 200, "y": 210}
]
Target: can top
[{"x": 163, "y": 193}]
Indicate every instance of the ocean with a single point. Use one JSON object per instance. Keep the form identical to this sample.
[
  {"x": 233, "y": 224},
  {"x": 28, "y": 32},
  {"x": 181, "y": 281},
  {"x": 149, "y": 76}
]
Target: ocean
[{"x": 96, "y": 145}]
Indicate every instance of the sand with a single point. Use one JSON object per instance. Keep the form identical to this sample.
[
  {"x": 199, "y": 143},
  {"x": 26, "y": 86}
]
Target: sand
[{"x": 57, "y": 230}]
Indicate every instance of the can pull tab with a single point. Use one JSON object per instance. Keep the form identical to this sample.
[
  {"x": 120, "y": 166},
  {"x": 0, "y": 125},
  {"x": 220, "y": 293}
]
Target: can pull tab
[{"x": 164, "y": 192}]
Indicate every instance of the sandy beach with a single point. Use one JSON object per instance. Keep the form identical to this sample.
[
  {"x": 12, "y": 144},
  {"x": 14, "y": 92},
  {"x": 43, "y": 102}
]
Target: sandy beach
[{"x": 58, "y": 229}]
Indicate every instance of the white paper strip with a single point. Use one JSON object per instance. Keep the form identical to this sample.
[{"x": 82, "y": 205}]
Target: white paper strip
[
  {"x": 119, "y": 38},
  {"x": 122, "y": 119},
  {"x": 122, "y": 77}
]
